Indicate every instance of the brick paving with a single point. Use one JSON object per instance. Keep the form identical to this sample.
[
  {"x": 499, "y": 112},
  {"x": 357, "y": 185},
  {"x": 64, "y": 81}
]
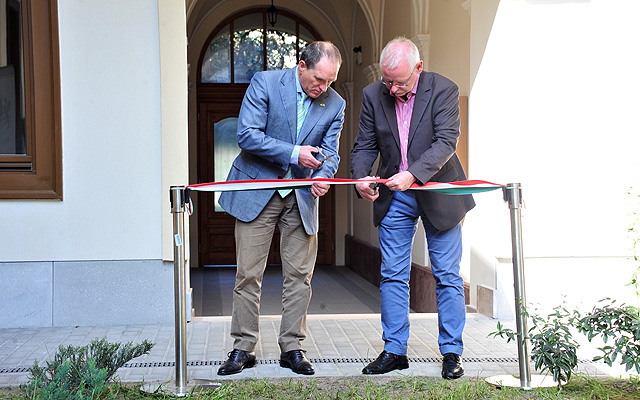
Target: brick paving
[{"x": 338, "y": 345}]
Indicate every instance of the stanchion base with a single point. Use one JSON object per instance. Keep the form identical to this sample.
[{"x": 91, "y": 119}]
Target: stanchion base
[
  {"x": 537, "y": 381},
  {"x": 196, "y": 385}
]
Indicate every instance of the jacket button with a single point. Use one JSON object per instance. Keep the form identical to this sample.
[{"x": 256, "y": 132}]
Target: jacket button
[{"x": 395, "y": 167}]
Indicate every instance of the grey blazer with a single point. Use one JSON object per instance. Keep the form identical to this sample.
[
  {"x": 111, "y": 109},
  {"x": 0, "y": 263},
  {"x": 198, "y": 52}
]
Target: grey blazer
[
  {"x": 433, "y": 136},
  {"x": 267, "y": 135}
]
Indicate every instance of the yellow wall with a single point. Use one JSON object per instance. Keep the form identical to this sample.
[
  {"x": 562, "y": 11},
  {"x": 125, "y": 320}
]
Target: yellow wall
[{"x": 449, "y": 26}]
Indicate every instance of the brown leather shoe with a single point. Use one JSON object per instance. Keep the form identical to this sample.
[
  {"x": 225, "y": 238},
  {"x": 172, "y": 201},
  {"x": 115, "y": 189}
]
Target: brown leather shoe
[
  {"x": 386, "y": 362},
  {"x": 452, "y": 366},
  {"x": 297, "y": 361},
  {"x": 237, "y": 361}
]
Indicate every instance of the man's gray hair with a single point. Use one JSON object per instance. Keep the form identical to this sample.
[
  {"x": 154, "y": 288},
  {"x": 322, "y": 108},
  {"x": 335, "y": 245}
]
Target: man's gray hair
[
  {"x": 316, "y": 50},
  {"x": 398, "y": 49}
]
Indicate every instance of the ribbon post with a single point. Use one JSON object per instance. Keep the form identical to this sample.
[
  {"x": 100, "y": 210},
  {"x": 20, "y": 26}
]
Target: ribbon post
[
  {"x": 512, "y": 194},
  {"x": 182, "y": 387}
]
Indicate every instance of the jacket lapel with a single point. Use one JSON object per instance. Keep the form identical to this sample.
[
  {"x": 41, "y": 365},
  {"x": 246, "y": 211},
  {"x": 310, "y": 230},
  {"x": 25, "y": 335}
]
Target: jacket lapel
[
  {"x": 423, "y": 97},
  {"x": 288, "y": 94},
  {"x": 388, "y": 104}
]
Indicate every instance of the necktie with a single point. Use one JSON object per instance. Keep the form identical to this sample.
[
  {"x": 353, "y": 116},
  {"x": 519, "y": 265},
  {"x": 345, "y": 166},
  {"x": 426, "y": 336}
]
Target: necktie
[{"x": 299, "y": 121}]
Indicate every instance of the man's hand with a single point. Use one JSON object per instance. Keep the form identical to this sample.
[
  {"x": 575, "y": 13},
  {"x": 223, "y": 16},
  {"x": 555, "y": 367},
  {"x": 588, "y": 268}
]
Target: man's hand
[
  {"x": 307, "y": 159},
  {"x": 401, "y": 181},
  {"x": 366, "y": 191},
  {"x": 319, "y": 189}
]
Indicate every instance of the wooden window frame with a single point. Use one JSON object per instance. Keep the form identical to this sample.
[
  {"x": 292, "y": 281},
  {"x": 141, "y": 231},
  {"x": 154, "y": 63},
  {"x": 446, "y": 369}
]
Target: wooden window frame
[{"x": 38, "y": 174}]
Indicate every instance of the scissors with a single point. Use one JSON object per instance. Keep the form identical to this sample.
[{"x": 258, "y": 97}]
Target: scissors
[
  {"x": 375, "y": 185},
  {"x": 325, "y": 158}
]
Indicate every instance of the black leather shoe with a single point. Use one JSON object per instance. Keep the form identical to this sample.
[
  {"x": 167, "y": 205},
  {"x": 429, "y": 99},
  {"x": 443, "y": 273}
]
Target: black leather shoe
[
  {"x": 297, "y": 361},
  {"x": 452, "y": 366},
  {"x": 237, "y": 361},
  {"x": 386, "y": 362}
]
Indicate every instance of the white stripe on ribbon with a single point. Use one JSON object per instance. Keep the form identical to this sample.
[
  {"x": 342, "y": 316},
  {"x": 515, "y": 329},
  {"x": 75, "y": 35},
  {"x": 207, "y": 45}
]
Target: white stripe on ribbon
[{"x": 461, "y": 187}]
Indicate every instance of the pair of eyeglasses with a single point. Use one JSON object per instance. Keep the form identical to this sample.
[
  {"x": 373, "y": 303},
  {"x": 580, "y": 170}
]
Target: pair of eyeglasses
[{"x": 398, "y": 85}]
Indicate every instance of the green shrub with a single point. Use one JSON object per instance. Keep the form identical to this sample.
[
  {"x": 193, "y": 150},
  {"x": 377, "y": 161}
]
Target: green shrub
[
  {"x": 621, "y": 324},
  {"x": 618, "y": 325},
  {"x": 552, "y": 346},
  {"x": 77, "y": 373}
]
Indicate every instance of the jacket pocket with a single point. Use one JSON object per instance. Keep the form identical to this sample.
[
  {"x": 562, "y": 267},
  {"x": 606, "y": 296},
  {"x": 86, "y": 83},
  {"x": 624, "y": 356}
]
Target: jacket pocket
[
  {"x": 244, "y": 170},
  {"x": 451, "y": 171}
]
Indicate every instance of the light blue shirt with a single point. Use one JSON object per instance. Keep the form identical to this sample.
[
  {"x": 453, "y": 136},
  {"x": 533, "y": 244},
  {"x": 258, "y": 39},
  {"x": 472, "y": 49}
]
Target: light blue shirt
[{"x": 307, "y": 103}]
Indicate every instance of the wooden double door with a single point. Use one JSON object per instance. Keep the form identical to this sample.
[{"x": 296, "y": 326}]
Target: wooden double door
[{"x": 218, "y": 103}]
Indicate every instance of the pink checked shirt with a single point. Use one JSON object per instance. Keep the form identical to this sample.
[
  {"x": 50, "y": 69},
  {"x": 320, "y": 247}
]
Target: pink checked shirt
[{"x": 404, "y": 110}]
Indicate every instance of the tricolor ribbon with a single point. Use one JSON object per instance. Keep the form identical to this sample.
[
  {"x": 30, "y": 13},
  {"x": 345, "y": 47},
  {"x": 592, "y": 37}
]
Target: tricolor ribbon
[{"x": 460, "y": 187}]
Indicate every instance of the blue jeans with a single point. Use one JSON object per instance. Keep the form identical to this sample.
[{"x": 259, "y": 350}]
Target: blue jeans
[{"x": 396, "y": 233}]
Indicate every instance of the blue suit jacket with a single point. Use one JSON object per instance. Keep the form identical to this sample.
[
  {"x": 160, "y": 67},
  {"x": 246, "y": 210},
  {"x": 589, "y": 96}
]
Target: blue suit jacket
[
  {"x": 267, "y": 135},
  {"x": 433, "y": 136}
]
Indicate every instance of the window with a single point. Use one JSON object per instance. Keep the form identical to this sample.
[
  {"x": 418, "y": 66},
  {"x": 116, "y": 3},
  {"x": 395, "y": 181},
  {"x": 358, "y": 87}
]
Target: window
[
  {"x": 246, "y": 45},
  {"x": 30, "y": 136}
]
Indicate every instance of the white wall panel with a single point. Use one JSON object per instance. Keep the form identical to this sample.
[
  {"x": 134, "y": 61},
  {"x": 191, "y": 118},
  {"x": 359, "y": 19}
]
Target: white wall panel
[
  {"x": 552, "y": 107},
  {"x": 109, "y": 63}
]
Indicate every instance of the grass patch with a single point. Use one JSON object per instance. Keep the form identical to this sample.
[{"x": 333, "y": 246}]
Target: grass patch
[{"x": 579, "y": 387}]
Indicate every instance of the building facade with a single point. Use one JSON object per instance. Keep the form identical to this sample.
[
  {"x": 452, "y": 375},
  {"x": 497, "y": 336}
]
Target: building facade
[{"x": 120, "y": 101}]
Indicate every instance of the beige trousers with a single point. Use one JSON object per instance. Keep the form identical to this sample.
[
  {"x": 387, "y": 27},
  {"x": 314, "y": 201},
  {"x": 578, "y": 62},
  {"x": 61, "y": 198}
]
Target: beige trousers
[{"x": 298, "y": 252}]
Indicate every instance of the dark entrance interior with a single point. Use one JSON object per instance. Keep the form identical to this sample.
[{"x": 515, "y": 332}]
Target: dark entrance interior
[{"x": 336, "y": 290}]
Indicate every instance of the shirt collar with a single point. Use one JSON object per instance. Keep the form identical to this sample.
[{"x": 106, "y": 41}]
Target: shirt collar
[
  {"x": 410, "y": 93},
  {"x": 298, "y": 86}
]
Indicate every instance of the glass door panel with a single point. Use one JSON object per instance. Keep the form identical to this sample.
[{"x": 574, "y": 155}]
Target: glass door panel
[{"x": 225, "y": 150}]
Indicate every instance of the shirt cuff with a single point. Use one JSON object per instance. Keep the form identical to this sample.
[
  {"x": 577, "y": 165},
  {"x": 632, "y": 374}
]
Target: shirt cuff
[{"x": 295, "y": 155}]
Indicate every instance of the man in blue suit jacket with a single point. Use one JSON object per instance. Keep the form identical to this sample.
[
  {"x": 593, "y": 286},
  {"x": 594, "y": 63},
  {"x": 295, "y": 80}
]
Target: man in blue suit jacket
[
  {"x": 289, "y": 123},
  {"x": 411, "y": 120}
]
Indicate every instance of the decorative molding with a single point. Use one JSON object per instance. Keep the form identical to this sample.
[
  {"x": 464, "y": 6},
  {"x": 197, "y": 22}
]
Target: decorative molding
[
  {"x": 420, "y": 16},
  {"x": 347, "y": 88},
  {"x": 369, "y": 14},
  {"x": 422, "y": 42},
  {"x": 467, "y": 6},
  {"x": 374, "y": 72}
]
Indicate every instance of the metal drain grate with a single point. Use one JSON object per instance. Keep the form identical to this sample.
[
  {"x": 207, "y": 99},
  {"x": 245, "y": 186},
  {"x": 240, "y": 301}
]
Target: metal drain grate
[
  {"x": 14, "y": 370},
  {"x": 343, "y": 360}
]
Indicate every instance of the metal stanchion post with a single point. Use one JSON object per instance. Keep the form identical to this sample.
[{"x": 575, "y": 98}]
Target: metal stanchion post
[
  {"x": 513, "y": 195},
  {"x": 177, "y": 209},
  {"x": 181, "y": 388}
]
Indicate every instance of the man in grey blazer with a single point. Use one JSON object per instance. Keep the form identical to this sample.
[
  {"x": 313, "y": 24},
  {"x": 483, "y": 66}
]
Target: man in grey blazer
[
  {"x": 289, "y": 127},
  {"x": 410, "y": 119}
]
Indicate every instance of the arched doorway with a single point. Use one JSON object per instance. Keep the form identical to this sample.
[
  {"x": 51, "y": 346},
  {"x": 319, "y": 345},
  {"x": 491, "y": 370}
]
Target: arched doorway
[{"x": 237, "y": 48}]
